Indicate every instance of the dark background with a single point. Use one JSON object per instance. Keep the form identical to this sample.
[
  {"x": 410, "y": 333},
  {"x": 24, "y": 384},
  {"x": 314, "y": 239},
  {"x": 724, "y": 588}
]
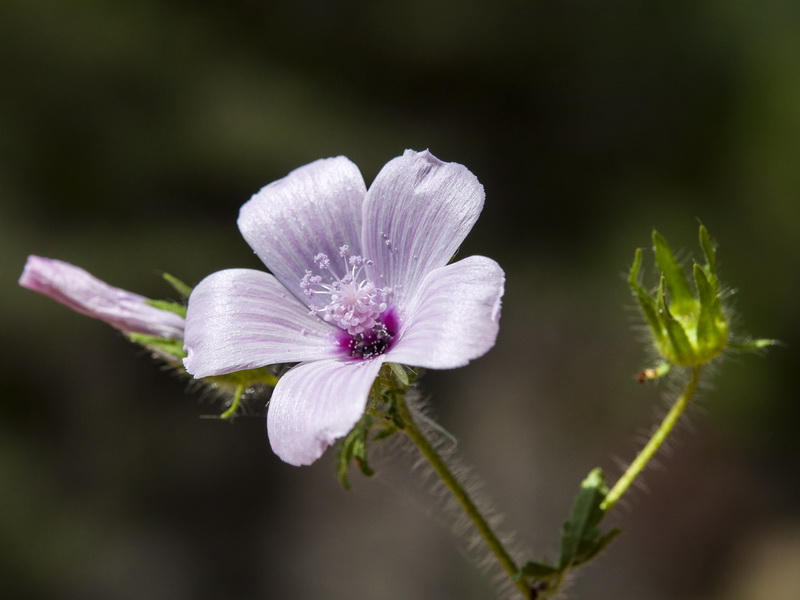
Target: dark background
[{"x": 130, "y": 134}]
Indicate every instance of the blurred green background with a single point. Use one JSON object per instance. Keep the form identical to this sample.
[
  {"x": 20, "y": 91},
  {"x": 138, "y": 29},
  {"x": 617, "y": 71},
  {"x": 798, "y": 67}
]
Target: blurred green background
[{"x": 130, "y": 134}]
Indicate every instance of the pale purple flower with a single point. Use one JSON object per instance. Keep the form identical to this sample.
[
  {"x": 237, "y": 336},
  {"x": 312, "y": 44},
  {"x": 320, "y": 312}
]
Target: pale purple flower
[
  {"x": 84, "y": 293},
  {"x": 359, "y": 278}
]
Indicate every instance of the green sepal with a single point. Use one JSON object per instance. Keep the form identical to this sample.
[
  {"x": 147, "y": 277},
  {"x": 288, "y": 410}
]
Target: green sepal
[
  {"x": 173, "y": 307},
  {"x": 645, "y": 300},
  {"x": 581, "y": 539},
  {"x": 689, "y": 328},
  {"x": 679, "y": 349},
  {"x": 162, "y": 345},
  {"x": 711, "y": 257},
  {"x": 353, "y": 448},
  {"x": 712, "y": 328},
  {"x": 179, "y": 286},
  {"x": 706, "y": 292},
  {"x": 247, "y": 378},
  {"x": 399, "y": 372},
  {"x": 682, "y": 300},
  {"x": 748, "y": 345},
  {"x": 241, "y": 382}
]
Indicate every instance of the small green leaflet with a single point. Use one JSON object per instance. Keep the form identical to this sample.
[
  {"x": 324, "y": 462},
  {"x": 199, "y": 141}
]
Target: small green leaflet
[{"x": 581, "y": 538}]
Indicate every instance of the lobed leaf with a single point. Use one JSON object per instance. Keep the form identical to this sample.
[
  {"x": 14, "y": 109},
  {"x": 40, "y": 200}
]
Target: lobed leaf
[{"x": 581, "y": 540}]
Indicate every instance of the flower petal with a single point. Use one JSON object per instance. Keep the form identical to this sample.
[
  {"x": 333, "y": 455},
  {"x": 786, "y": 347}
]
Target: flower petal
[
  {"x": 316, "y": 403},
  {"x": 242, "y": 319},
  {"x": 416, "y": 214},
  {"x": 454, "y": 318},
  {"x": 316, "y": 208},
  {"x": 84, "y": 293}
]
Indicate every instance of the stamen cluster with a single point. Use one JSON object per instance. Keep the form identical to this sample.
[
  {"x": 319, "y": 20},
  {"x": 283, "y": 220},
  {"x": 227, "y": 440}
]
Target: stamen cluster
[{"x": 355, "y": 303}]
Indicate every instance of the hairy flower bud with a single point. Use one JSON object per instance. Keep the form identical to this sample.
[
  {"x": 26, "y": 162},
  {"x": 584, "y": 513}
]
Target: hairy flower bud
[{"x": 688, "y": 329}]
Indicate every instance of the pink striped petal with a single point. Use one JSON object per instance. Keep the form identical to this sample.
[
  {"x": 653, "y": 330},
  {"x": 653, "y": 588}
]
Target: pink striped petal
[
  {"x": 314, "y": 209},
  {"x": 416, "y": 214},
  {"x": 242, "y": 319},
  {"x": 316, "y": 403},
  {"x": 454, "y": 318}
]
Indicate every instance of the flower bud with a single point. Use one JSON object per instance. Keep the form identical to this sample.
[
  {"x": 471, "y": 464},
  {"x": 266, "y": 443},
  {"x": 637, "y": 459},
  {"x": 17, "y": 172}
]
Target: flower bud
[
  {"x": 150, "y": 323},
  {"x": 689, "y": 327}
]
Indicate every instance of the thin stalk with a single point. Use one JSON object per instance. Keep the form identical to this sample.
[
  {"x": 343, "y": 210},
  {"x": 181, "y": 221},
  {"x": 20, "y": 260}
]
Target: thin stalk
[
  {"x": 467, "y": 504},
  {"x": 235, "y": 401},
  {"x": 654, "y": 444}
]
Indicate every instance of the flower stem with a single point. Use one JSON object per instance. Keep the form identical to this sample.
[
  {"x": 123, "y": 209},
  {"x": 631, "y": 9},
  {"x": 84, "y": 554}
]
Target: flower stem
[
  {"x": 655, "y": 443},
  {"x": 467, "y": 504}
]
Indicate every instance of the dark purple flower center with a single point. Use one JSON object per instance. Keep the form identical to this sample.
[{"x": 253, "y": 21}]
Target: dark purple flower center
[{"x": 373, "y": 342}]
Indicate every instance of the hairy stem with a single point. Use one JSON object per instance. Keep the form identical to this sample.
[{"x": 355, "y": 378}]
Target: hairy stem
[
  {"x": 460, "y": 494},
  {"x": 654, "y": 444}
]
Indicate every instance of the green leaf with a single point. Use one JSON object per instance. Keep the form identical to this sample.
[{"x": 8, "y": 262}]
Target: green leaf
[
  {"x": 590, "y": 550},
  {"x": 173, "y": 307},
  {"x": 682, "y": 299},
  {"x": 183, "y": 289},
  {"x": 538, "y": 570},
  {"x": 583, "y": 518},
  {"x": 581, "y": 540}
]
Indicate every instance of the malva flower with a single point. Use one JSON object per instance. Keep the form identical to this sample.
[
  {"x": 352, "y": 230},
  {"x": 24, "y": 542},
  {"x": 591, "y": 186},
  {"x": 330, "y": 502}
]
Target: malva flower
[
  {"x": 359, "y": 278},
  {"x": 84, "y": 293}
]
